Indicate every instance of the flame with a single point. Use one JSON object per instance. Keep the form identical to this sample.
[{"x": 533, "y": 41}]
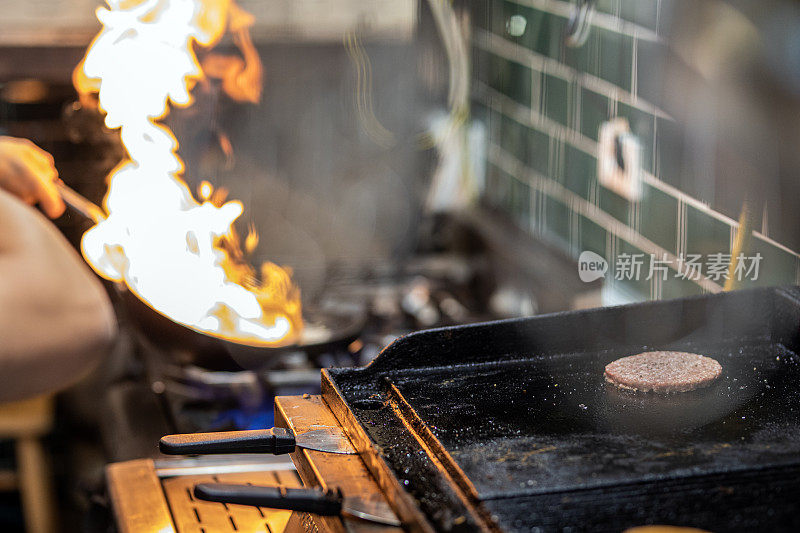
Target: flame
[
  {"x": 205, "y": 190},
  {"x": 179, "y": 255},
  {"x": 241, "y": 78}
]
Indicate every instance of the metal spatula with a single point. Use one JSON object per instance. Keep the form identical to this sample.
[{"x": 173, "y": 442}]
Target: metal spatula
[{"x": 276, "y": 441}]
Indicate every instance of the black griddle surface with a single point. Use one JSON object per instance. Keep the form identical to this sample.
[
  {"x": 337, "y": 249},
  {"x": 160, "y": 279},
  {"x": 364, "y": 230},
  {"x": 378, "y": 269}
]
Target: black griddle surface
[
  {"x": 527, "y": 427},
  {"x": 514, "y": 422}
]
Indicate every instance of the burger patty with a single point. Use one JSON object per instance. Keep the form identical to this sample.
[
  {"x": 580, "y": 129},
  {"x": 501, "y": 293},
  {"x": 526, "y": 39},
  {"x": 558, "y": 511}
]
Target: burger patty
[{"x": 663, "y": 371}]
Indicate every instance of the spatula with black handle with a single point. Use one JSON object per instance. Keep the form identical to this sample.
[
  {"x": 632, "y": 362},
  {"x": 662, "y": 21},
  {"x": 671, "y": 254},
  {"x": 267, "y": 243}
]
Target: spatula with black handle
[{"x": 328, "y": 503}]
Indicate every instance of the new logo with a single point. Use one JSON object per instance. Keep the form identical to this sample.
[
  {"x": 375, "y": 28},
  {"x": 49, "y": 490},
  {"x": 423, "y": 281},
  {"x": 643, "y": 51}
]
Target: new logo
[{"x": 591, "y": 266}]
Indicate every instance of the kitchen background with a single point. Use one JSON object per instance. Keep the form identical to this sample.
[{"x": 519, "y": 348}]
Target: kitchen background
[
  {"x": 707, "y": 92},
  {"x": 359, "y": 170}
]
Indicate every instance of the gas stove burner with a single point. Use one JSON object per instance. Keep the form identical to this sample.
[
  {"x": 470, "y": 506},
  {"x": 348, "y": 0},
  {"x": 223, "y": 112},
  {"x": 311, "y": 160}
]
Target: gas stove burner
[{"x": 202, "y": 384}]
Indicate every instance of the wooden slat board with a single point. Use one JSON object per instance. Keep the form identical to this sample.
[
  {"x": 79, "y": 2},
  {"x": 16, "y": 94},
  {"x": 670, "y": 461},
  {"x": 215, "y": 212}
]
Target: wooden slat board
[
  {"x": 143, "y": 503},
  {"x": 196, "y": 516}
]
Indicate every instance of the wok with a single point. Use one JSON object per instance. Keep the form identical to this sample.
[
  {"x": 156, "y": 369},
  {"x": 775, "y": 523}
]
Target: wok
[{"x": 326, "y": 326}]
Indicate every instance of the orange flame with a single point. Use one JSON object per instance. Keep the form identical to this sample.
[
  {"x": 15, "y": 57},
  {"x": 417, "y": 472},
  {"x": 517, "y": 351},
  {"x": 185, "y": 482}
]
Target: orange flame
[{"x": 180, "y": 256}]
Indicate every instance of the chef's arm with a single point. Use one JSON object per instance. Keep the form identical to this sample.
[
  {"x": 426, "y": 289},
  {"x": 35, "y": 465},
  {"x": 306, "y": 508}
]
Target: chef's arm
[{"x": 56, "y": 321}]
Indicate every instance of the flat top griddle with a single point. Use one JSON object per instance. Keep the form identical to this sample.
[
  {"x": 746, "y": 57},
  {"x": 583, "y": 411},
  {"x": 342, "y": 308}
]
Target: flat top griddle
[{"x": 510, "y": 426}]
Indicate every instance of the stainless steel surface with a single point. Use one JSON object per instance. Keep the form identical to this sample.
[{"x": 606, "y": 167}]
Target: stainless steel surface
[
  {"x": 221, "y": 464},
  {"x": 374, "y": 510},
  {"x": 326, "y": 439}
]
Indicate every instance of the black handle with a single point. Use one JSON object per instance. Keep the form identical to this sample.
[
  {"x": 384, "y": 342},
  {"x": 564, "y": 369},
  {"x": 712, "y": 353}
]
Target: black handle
[
  {"x": 274, "y": 440},
  {"x": 304, "y": 500}
]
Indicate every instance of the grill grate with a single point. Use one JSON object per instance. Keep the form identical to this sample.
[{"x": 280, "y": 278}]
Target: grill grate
[{"x": 195, "y": 516}]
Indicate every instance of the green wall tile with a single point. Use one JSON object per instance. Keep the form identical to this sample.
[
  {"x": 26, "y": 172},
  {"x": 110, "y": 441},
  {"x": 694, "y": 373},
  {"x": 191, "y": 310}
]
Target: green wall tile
[
  {"x": 613, "y": 204},
  {"x": 669, "y": 151},
  {"x": 641, "y": 12},
  {"x": 481, "y": 65},
  {"x": 557, "y": 219},
  {"x": 580, "y": 170},
  {"x": 594, "y": 111},
  {"x": 593, "y": 237},
  {"x": 514, "y": 138},
  {"x": 640, "y": 284},
  {"x": 659, "y": 218},
  {"x": 480, "y": 11},
  {"x": 671, "y": 158},
  {"x": 643, "y": 126},
  {"x": 511, "y": 79},
  {"x": 519, "y": 202},
  {"x": 706, "y": 235},
  {"x": 777, "y": 267},
  {"x": 497, "y": 16},
  {"x": 555, "y": 167},
  {"x": 650, "y": 57},
  {"x": 496, "y": 185},
  {"x": 674, "y": 162},
  {"x": 616, "y": 58},
  {"x": 556, "y": 98},
  {"x": 583, "y": 58},
  {"x": 547, "y": 34},
  {"x": 538, "y": 151},
  {"x": 492, "y": 129}
]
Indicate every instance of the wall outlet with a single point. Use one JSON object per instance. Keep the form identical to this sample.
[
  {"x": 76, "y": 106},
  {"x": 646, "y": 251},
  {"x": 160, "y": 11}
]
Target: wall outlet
[{"x": 619, "y": 167}]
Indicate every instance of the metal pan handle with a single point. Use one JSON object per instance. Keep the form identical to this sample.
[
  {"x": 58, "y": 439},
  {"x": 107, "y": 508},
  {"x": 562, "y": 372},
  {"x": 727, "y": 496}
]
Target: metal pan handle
[
  {"x": 276, "y": 441},
  {"x": 304, "y": 500}
]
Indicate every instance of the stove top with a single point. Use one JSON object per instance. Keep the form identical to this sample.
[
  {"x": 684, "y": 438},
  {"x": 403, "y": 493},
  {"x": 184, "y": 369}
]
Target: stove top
[
  {"x": 201, "y": 394},
  {"x": 509, "y": 426}
]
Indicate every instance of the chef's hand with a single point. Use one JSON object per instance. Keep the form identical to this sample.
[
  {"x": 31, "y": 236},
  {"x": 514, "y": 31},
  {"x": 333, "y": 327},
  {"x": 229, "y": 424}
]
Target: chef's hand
[{"x": 28, "y": 172}]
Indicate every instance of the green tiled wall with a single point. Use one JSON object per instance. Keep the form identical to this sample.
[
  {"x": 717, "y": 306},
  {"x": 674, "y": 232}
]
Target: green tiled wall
[{"x": 544, "y": 103}]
